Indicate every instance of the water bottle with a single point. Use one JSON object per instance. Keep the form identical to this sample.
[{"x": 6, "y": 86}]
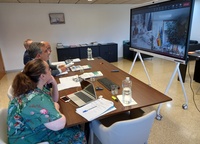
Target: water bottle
[
  {"x": 89, "y": 53},
  {"x": 127, "y": 90}
]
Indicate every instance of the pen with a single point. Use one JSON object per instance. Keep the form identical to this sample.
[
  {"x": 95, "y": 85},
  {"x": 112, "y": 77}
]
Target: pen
[
  {"x": 115, "y": 70},
  {"x": 89, "y": 109},
  {"x": 115, "y": 98}
]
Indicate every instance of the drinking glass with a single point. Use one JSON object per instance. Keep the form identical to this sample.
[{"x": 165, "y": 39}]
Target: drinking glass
[{"x": 114, "y": 89}]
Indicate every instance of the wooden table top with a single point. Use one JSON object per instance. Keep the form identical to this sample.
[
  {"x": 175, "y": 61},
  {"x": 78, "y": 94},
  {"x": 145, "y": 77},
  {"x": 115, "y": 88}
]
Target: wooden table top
[{"x": 142, "y": 93}]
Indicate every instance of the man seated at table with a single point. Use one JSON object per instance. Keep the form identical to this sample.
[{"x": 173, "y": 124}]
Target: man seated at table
[
  {"x": 26, "y": 57},
  {"x": 42, "y": 51}
]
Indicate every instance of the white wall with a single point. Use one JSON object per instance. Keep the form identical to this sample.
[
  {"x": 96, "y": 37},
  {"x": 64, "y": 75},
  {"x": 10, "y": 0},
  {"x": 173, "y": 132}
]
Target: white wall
[
  {"x": 83, "y": 24},
  {"x": 195, "y": 32}
]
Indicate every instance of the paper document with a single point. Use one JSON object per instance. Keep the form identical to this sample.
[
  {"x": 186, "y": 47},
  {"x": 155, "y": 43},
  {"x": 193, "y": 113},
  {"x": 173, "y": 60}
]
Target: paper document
[
  {"x": 76, "y": 60},
  {"x": 68, "y": 82},
  {"x": 69, "y": 62},
  {"x": 79, "y": 67},
  {"x": 66, "y": 63},
  {"x": 62, "y": 73},
  {"x": 91, "y": 74},
  {"x": 96, "y": 109},
  {"x": 58, "y": 63}
]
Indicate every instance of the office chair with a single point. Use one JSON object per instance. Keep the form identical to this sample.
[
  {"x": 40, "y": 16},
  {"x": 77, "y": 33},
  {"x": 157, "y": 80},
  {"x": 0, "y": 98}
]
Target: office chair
[
  {"x": 10, "y": 92},
  {"x": 131, "y": 131},
  {"x": 3, "y": 127}
]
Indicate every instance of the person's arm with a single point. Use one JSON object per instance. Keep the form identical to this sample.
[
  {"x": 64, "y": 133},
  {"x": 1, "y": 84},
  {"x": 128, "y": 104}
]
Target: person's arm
[
  {"x": 62, "y": 68},
  {"x": 46, "y": 112},
  {"x": 57, "y": 124},
  {"x": 54, "y": 70},
  {"x": 26, "y": 57},
  {"x": 54, "y": 92}
]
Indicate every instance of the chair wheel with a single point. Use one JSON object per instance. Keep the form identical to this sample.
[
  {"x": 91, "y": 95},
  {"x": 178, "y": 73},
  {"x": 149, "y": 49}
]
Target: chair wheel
[
  {"x": 185, "y": 106},
  {"x": 158, "y": 117}
]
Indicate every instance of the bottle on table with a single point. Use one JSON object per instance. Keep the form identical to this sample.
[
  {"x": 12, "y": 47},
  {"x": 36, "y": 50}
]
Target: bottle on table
[
  {"x": 89, "y": 53},
  {"x": 127, "y": 90}
]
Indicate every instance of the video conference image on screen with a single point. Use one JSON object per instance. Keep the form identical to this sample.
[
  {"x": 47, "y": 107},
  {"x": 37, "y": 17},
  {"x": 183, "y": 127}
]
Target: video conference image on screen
[{"x": 161, "y": 31}]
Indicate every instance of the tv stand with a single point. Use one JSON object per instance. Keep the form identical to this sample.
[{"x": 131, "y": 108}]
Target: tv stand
[
  {"x": 138, "y": 54},
  {"x": 185, "y": 105},
  {"x": 130, "y": 55}
]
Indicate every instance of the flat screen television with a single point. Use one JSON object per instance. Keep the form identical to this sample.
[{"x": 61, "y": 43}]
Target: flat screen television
[{"x": 162, "y": 29}]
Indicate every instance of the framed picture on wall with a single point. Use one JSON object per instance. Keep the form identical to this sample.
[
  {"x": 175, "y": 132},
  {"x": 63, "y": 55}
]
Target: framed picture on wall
[{"x": 57, "y": 18}]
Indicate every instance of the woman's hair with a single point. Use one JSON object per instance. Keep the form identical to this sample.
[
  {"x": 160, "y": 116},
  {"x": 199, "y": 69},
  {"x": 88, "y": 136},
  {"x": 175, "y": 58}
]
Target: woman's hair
[{"x": 27, "y": 79}]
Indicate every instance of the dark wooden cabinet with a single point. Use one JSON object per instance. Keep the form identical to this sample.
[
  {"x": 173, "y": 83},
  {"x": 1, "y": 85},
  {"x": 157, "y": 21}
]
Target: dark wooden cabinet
[
  {"x": 109, "y": 52},
  {"x": 197, "y": 71},
  {"x": 67, "y": 53},
  {"x": 130, "y": 55},
  {"x": 83, "y": 51},
  {"x": 127, "y": 54},
  {"x": 2, "y": 68}
]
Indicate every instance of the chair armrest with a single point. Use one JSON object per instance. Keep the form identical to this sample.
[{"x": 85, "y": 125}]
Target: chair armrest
[
  {"x": 97, "y": 126},
  {"x": 2, "y": 142}
]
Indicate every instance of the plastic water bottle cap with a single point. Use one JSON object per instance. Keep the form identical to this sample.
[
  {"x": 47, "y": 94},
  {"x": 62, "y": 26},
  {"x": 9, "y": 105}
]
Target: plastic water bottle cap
[{"x": 127, "y": 78}]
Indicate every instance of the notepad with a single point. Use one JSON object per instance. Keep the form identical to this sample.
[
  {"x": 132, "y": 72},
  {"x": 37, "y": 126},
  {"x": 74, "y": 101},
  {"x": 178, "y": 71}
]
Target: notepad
[
  {"x": 96, "y": 109},
  {"x": 133, "y": 102}
]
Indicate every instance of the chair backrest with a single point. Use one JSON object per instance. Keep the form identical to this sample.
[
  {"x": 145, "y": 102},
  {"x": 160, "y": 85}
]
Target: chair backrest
[
  {"x": 132, "y": 131},
  {"x": 10, "y": 92},
  {"x": 3, "y": 126}
]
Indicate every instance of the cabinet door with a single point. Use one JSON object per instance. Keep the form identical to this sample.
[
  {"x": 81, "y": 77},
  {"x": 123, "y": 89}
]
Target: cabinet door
[
  {"x": 109, "y": 52},
  {"x": 2, "y": 69},
  {"x": 127, "y": 54},
  {"x": 83, "y": 51},
  {"x": 67, "y": 53}
]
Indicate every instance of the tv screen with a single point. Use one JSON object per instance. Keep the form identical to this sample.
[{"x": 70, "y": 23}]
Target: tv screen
[{"x": 162, "y": 29}]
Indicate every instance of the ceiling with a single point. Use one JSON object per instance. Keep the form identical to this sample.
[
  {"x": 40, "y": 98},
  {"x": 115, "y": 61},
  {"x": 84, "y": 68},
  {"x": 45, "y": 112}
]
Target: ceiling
[{"x": 81, "y": 1}]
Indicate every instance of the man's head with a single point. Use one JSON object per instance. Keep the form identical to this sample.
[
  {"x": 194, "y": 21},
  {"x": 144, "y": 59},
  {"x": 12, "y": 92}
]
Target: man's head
[
  {"x": 39, "y": 50},
  {"x": 46, "y": 50},
  {"x": 47, "y": 45},
  {"x": 27, "y": 43}
]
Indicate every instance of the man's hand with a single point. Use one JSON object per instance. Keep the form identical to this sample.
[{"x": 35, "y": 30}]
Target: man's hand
[{"x": 63, "y": 68}]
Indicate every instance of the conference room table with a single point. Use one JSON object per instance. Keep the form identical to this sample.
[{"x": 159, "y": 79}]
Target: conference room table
[{"x": 142, "y": 93}]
